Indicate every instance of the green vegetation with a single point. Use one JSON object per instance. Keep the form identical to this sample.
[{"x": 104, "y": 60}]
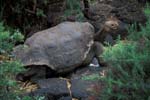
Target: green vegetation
[
  {"x": 129, "y": 60},
  {"x": 74, "y": 9},
  {"x": 31, "y": 98},
  {"x": 8, "y": 66},
  {"x": 26, "y": 15},
  {"x": 22, "y": 14},
  {"x": 8, "y": 40},
  {"x": 91, "y": 77},
  {"x": 147, "y": 10}
]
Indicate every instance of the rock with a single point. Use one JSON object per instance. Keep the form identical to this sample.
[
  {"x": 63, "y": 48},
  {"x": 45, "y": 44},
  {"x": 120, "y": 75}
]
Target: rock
[
  {"x": 55, "y": 12},
  {"x": 79, "y": 73},
  {"x": 65, "y": 98},
  {"x": 85, "y": 89},
  {"x": 98, "y": 13},
  {"x": 83, "y": 85},
  {"x": 128, "y": 11},
  {"x": 54, "y": 86},
  {"x": 58, "y": 12}
]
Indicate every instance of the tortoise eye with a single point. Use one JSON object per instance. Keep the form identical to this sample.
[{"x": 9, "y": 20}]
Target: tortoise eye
[{"x": 113, "y": 25}]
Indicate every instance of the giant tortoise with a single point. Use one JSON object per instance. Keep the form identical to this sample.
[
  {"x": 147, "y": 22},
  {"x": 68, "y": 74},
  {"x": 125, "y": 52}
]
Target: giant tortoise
[{"x": 59, "y": 49}]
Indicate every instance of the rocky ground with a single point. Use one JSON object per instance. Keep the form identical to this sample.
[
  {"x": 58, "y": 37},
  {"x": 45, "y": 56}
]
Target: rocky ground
[{"x": 82, "y": 84}]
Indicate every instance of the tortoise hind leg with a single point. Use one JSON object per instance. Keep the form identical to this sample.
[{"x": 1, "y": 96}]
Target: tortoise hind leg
[{"x": 32, "y": 73}]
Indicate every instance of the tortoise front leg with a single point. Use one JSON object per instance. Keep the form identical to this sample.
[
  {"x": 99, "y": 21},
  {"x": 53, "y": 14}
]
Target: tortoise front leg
[{"x": 99, "y": 48}]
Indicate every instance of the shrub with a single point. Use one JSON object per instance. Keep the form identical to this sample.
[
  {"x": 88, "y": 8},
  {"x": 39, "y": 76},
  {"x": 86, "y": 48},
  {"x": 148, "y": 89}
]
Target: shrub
[
  {"x": 8, "y": 40},
  {"x": 128, "y": 77},
  {"x": 8, "y": 66},
  {"x": 74, "y": 9},
  {"x": 23, "y": 14}
]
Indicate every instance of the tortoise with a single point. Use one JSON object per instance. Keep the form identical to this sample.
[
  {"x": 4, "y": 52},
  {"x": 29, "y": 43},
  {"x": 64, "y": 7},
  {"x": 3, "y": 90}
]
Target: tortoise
[{"x": 59, "y": 49}]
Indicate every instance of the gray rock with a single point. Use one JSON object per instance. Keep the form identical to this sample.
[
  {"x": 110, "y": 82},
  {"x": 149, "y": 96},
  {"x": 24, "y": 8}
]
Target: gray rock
[
  {"x": 128, "y": 11},
  {"x": 85, "y": 89},
  {"x": 52, "y": 89},
  {"x": 65, "y": 98},
  {"x": 54, "y": 86},
  {"x": 81, "y": 86}
]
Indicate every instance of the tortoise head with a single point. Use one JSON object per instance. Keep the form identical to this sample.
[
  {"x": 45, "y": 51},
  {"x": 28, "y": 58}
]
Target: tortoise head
[
  {"x": 115, "y": 27},
  {"x": 110, "y": 30}
]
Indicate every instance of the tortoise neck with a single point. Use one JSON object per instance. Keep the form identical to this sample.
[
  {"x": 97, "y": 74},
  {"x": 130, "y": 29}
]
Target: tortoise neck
[{"x": 99, "y": 36}]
